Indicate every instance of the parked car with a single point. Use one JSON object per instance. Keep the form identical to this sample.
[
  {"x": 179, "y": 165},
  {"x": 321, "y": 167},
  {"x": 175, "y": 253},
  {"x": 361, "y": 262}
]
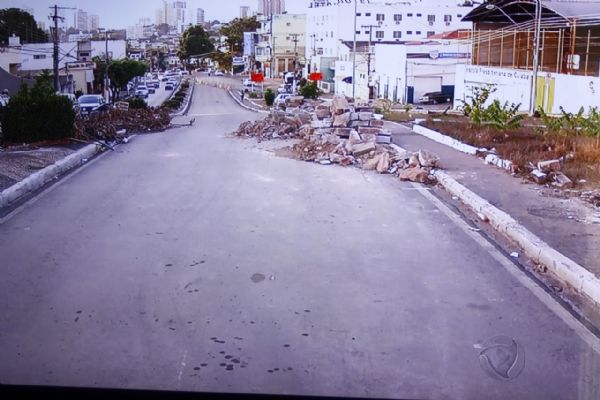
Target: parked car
[
  {"x": 169, "y": 86},
  {"x": 142, "y": 92},
  {"x": 280, "y": 99},
  {"x": 434, "y": 98},
  {"x": 219, "y": 73},
  {"x": 151, "y": 90},
  {"x": 4, "y": 99},
  {"x": 284, "y": 89},
  {"x": 92, "y": 103},
  {"x": 247, "y": 82}
]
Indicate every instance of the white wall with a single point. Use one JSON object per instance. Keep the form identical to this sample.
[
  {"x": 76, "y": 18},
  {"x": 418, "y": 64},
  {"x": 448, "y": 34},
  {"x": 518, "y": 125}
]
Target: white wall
[
  {"x": 390, "y": 67},
  {"x": 571, "y": 92},
  {"x": 511, "y": 85}
]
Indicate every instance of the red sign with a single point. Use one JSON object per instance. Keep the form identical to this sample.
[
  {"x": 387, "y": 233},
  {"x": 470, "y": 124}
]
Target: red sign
[
  {"x": 316, "y": 76},
  {"x": 258, "y": 78}
]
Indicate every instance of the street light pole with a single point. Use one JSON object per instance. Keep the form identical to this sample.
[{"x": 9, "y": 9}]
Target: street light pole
[
  {"x": 354, "y": 53},
  {"x": 536, "y": 57}
]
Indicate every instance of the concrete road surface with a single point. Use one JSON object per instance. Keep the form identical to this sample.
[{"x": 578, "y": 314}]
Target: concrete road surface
[
  {"x": 188, "y": 260},
  {"x": 159, "y": 97}
]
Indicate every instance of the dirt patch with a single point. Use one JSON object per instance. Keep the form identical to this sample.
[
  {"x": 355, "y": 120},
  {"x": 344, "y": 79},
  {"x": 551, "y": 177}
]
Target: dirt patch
[
  {"x": 18, "y": 164},
  {"x": 527, "y": 146}
]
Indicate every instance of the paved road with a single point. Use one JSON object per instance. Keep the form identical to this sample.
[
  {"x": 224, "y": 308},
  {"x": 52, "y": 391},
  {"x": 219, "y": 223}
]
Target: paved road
[
  {"x": 159, "y": 97},
  {"x": 188, "y": 260}
]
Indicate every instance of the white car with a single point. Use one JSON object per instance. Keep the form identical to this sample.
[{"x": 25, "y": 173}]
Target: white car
[
  {"x": 219, "y": 73},
  {"x": 280, "y": 99},
  {"x": 91, "y": 103},
  {"x": 247, "y": 82},
  {"x": 142, "y": 91}
]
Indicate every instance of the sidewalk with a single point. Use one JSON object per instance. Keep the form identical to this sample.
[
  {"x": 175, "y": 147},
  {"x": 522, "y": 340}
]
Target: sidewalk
[{"x": 568, "y": 225}]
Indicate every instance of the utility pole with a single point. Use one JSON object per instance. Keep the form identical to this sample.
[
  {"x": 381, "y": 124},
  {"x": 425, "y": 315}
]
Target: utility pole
[
  {"x": 536, "y": 57},
  {"x": 295, "y": 40},
  {"x": 55, "y": 39},
  {"x": 369, "y": 53},
  {"x": 354, "y": 53}
]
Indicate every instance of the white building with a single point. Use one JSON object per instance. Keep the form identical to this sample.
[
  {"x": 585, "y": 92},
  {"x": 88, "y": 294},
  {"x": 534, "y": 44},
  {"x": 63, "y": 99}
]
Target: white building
[
  {"x": 329, "y": 24},
  {"x": 94, "y": 22},
  {"x": 281, "y": 43},
  {"x": 81, "y": 20},
  {"x": 175, "y": 14},
  {"x": 244, "y": 12},
  {"x": 200, "y": 16},
  {"x": 403, "y": 73},
  {"x": 270, "y": 7}
]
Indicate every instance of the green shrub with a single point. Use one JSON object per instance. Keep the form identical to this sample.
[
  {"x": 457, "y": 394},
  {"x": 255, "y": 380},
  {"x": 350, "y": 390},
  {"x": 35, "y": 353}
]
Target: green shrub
[
  {"x": 253, "y": 95},
  {"x": 310, "y": 90},
  {"x": 37, "y": 115},
  {"x": 497, "y": 115},
  {"x": 269, "y": 97},
  {"x": 136, "y": 103}
]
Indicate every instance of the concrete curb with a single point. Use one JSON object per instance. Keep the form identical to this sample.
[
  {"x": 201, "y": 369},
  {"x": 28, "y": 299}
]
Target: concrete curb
[
  {"x": 243, "y": 105},
  {"x": 438, "y": 137},
  {"x": 446, "y": 140},
  {"x": 188, "y": 102},
  {"x": 564, "y": 268},
  {"x": 40, "y": 178}
]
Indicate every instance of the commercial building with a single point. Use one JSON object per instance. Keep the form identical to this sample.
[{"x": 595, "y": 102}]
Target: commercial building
[
  {"x": 81, "y": 20},
  {"x": 331, "y": 24},
  {"x": 200, "y": 16},
  {"x": 281, "y": 43},
  {"x": 244, "y": 12},
  {"x": 94, "y": 22},
  {"x": 504, "y": 55},
  {"x": 271, "y": 7}
]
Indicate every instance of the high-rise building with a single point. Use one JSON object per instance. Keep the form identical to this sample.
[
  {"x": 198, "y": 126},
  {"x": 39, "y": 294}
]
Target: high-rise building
[
  {"x": 244, "y": 12},
  {"x": 270, "y": 7},
  {"x": 81, "y": 18},
  {"x": 175, "y": 14},
  {"x": 94, "y": 22},
  {"x": 159, "y": 16},
  {"x": 200, "y": 16}
]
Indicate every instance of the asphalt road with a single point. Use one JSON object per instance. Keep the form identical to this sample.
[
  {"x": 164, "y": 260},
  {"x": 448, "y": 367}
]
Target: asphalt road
[{"x": 188, "y": 260}]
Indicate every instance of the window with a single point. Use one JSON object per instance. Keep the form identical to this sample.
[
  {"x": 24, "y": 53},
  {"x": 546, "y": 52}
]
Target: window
[
  {"x": 430, "y": 33},
  {"x": 418, "y": 32},
  {"x": 409, "y": 32},
  {"x": 358, "y": 32},
  {"x": 431, "y": 19},
  {"x": 419, "y": 15},
  {"x": 380, "y": 17},
  {"x": 379, "y": 34},
  {"x": 358, "y": 14},
  {"x": 39, "y": 56},
  {"x": 367, "y": 14},
  {"x": 409, "y": 15},
  {"x": 397, "y": 17},
  {"x": 458, "y": 15},
  {"x": 320, "y": 51},
  {"x": 448, "y": 18},
  {"x": 397, "y": 34},
  {"x": 367, "y": 32},
  {"x": 288, "y": 24}
]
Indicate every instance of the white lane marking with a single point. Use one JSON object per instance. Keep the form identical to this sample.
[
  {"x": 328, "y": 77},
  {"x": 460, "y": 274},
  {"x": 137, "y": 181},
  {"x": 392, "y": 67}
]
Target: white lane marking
[
  {"x": 182, "y": 366},
  {"x": 208, "y": 115},
  {"x": 588, "y": 337}
]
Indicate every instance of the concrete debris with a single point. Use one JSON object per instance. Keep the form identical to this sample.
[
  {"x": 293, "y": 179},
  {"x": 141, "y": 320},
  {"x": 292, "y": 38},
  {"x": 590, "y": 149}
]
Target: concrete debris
[
  {"x": 539, "y": 177},
  {"x": 549, "y": 166},
  {"x": 428, "y": 159},
  {"x": 344, "y": 135},
  {"x": 561, "y": 181}
]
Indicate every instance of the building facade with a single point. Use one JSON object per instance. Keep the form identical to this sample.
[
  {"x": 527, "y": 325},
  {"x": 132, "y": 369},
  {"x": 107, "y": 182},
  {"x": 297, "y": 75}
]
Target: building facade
[
  {"x": 270, "y": 7},
  {"x": 200, "y": 16},
  {"x": 94, "y": 22},
  {"x": 81, "y": 20},
  {"x": 244, "y": 12},
  {"x": 281, "y": 43},
  {"x": 330, "y": 24}
]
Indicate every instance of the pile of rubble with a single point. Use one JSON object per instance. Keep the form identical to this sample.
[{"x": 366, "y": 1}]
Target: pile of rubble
[
  {"x": 112, "y": 125},
  {"x": 341, "y": 134}
]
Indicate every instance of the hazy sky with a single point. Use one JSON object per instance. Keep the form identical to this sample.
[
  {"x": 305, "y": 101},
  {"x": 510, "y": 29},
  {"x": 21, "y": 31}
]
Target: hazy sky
[{"x": 121, "y": 13}]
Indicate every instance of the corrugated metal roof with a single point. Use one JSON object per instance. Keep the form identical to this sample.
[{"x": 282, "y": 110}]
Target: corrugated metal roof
[{"x": 521, "y": 10}]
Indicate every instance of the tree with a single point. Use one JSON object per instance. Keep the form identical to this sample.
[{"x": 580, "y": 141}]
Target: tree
[
  {"x": 99, "y": 72},
  {"x": 225, "y": 60},
  {"x": 194, "y": 41},
  {"x": 121, "y": 72},
  {"x": 163, "y": 29},
  {"x": 22, "y": 24},
  {"x": 234, "y": 31}
]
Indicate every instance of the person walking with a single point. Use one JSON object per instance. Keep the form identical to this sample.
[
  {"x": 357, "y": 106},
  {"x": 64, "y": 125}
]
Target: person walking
[{"x": 242, "y": 95}]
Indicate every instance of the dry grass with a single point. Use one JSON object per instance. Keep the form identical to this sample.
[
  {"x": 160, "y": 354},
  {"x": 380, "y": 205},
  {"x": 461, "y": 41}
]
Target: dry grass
[{"x": 529, "y": 145}]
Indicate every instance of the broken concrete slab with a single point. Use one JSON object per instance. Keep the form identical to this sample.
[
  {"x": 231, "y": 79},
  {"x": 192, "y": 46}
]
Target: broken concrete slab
[
  {"x": 342, "y": 120},
  {"x": 354, "y": 137},
  {"x": 376, "y": 123},
  {"x": 562, "y": 181},
  {"x": 356, "y": 124},
  {"x": 339, "y": 105},
  {"x": 428, "y": 159},
  {"x": 414, "y": 174},
  {"x": 382, "y": 139},
  {"x": 539, "y": 177},
  {"x": 363, "y": 148},
  {"x": 369, "y": 130},
  {"x": 549, "y": 166},
  {"x": 384, "y": 163},
  {"x": 343, "y": 132},
  {"x": 365, "y": 116}
]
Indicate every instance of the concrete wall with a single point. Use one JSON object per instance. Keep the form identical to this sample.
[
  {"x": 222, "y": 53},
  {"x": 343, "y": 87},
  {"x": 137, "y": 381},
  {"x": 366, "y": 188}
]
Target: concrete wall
[{"x": 571, "y": 92}]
